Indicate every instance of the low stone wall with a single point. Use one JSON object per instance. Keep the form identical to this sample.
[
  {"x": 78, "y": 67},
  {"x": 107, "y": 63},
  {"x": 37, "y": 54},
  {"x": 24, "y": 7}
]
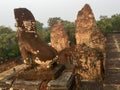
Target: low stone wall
[
  {"x": 10, "y": 63},
  {"x": 67, "y": 80}
]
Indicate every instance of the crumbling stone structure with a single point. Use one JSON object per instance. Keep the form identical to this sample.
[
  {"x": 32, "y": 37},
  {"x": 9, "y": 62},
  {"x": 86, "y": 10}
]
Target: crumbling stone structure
[
  {"x": 88, "y": 61},
  {"x": 85, "y": 25},
  {"x": 85, "y": 58},
  {"x": 87, "y": 31},
  {"x": 59, "y": 37},
  {"x": 32, "y": 48},
  {"x": 88, "y": 53}
]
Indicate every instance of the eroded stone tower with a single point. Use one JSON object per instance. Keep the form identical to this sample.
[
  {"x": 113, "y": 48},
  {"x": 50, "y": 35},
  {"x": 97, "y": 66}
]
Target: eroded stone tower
[{"x": 59, "y": 37}]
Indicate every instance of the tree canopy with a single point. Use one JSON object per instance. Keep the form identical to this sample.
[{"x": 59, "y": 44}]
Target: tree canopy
[
  {"x": 8, "y": 43},
  {"x": 109, "y": 25}
]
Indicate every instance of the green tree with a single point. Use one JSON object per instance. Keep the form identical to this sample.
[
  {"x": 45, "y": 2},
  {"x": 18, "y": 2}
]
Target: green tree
[
  {"x": 105, "y": 24},
  {"x": 39, "y": 25},
  {"x": 8, "y": 43},
  {"x": 54, "y": 20},
  {"x": 44, "y": 33},
  {"x": 115, "y": 20},
  {"x": 70, "y": 29}
]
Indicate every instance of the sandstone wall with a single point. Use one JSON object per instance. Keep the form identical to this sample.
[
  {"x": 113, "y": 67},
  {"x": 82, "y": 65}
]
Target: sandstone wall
[{"x": 59, "y": 37}]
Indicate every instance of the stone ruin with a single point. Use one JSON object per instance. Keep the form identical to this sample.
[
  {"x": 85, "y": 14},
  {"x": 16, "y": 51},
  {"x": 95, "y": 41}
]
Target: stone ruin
[
  {"x": 85, "y": 25},
  {"x": 41, "y": 70},
  {"x": 88, "y": 53},
  {"x": 31, "y": 46},
  {"x": 87, "y": 31},
  {"x": 59, "y": 37},
  {"x": 85, "y": 59},
  {"x": 88, "y": 61}
]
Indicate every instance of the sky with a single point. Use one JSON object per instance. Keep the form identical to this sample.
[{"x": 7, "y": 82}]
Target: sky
[{"x": 65, "y": 9}]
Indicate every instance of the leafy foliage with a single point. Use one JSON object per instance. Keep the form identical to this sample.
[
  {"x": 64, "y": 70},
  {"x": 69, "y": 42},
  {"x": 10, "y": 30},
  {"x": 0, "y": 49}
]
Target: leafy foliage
[
  {"x": 115, "y": 20},
  {"x": 53, "y": 21},
  {"x": 8, "y": 43},
  {"x": 69, "y": 27},
  {"x": 109, "y": 25},
  {"x": 44, "y": 33}
]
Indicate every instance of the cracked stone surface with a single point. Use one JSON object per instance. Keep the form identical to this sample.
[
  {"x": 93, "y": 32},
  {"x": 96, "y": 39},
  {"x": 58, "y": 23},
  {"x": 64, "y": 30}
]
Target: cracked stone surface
[
  {"x": 32, "y": 48},
  {"x": 59, "y": 37}
]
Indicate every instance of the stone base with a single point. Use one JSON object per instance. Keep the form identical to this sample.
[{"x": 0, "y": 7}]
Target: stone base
[
  {"x": 26, "y": 85},
  {"x": 64, "y": 82},
  {"x": 47, "y": 74},
  {"x": 5, "y": 85}
]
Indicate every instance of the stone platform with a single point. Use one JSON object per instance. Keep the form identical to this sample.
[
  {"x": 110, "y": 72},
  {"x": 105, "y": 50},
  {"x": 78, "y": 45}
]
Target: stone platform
[
  {"x": 47, "y": 74},
  {"x": 65, "y": 80}
]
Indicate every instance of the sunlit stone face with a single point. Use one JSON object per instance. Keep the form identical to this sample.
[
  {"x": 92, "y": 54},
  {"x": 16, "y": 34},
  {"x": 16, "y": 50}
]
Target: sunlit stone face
[{"x": 43, "y": 64}]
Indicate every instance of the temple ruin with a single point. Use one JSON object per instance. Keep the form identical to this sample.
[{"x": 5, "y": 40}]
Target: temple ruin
[
  {"x": 60, "y": 66},
  {"x": 31, "y": 47},
  {"x": 87, "y": 31},
  {"x": 59, "y": 37}
]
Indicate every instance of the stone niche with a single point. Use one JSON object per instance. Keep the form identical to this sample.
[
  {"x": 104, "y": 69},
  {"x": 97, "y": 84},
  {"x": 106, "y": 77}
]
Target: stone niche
[{"x": 59, "y": 37}]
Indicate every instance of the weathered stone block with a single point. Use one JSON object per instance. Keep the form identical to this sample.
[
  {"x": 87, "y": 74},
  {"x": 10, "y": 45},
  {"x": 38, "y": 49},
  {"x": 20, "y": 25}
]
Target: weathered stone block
[
  {"x": 84, "y": 25},
  {"x": 47, "y": 74},
  {"x": 33, "y": 49},
  {"x": 5, "y": 84},
  {"x": 87, "y": 31},
  {"x": 26, "y": 85},
  {"x": 88, "y": 61},
  {"x": 64, "y": 82},
  {"x": 59, "y": 37}
]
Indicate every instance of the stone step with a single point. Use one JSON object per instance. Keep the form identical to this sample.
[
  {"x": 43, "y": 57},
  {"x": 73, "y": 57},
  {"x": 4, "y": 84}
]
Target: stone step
[
  {"x": 11, "y": 72},
  {"x": 111, "y": 49},
  {"x": 111, "y": 86},
  {"x": 26, "y": 85},
  {"x": 113, "y": 64},
  {"x": 112, "y": 76},
  {"x": 110, "y": 41},
  {"x": 110, "y": 44},
  {"x": 47, "y": 74},
  {"x": 91, "y": 85},
  {"x": 111, "y": 55},
  {"x": 5, "y": 85},
  {"x": 64, "y": 82}
]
